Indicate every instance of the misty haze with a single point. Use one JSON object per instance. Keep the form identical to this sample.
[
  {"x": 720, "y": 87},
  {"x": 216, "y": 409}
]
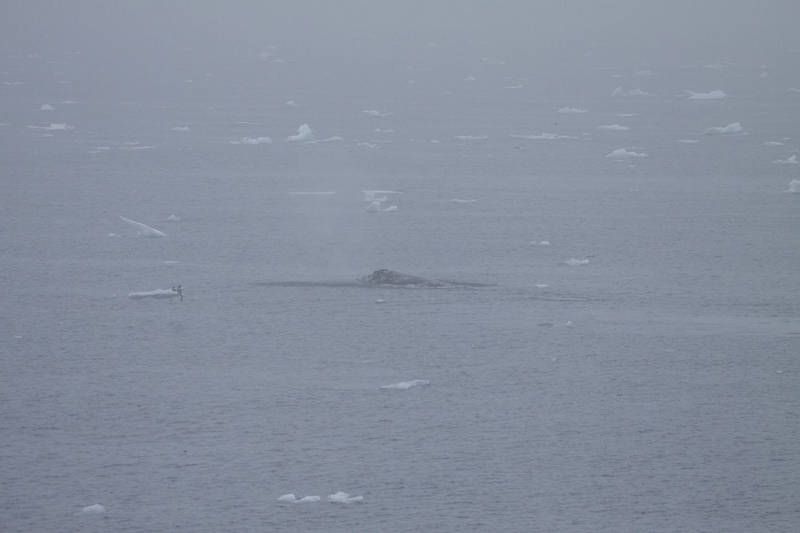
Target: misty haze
[{"x": 339, "y": 266}]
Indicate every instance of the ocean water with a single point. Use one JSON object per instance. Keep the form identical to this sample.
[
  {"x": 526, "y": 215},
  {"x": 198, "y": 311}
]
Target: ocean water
[{"x": 631, "y": 363}]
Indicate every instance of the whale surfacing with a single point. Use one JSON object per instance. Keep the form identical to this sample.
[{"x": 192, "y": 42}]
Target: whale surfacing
[{"x": 388, "y": 277}]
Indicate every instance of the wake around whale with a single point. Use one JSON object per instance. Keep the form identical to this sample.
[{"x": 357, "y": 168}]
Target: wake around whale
[{"x": 379, "y": 278}]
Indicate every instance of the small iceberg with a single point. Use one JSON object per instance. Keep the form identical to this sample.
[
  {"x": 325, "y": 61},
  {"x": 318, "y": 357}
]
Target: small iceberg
[
  {"x": 544, "y": 136},
  {"x": 794, "y": 187},
  {"x": 180, "y": 128},
  {"x": 290, "y": 103},
  {"x": 623, "y": 153},
  {"x": 472, "y": 137},
  {"x": 143, "y": 229},
  {"x": 343, "y": 497},
  {"x": 54, "y": 126},
  {"x": 304, "y": 133},
  {"x": 46, "y": 107},
  {"x": 173, "y": 218},
  {"x": 791, "y": 160},
  {"x": 572, "y": 110},
  {"x": 733, "y": 127},
  {"x": 711, "y": 95},
  {"x": 94, "y": 509},
  {"x": 376, "y": 113},
  {"x": 158, "y": 294},
  {"x": 619, "y": 91},
  {"x": 405, "y": 385}
]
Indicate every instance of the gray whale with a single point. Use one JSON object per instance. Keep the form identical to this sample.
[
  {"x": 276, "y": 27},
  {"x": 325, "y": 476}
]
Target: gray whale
[{"x": 379, "y": 278}]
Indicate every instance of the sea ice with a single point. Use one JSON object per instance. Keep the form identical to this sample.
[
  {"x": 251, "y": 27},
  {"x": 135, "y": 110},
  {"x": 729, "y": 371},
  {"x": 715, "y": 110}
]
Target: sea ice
[
  {"x": 791, "y": 160},
  {"x": 794, "y": 186},
  {"x": 711, "y": 95},
  {"x": 471, "y": 137},
  {"x": 291, "y": 498},
  {"x": 376, "y": 113},
  {"x": 173, "y": 218},
  {"x": 304, "y": 133},
  {"x": 343, "y": 497},
  {"x": 773, "y": 143},
  {"x": 620, "y": 91},
  {"x": 143, "y": 229},
  {"x": 46, "y": 107},
  {"x": 405, "y": 385},
  {"x": 180, "y": 128},
  {"x": 733, "y": 127},
  {"x": 622, "y": 153},
  {"x": 291, "y": 103},
  {"x": 54, "y": 126}
]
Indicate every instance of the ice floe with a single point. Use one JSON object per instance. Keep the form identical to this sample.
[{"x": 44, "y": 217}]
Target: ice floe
[
  {"x": 572, "y": 110},
  {"x": 365, "y": 144},
  {"x": 793, "y": 90},
  {"x": 378, "y": 200},
  {"x": 540, "y": 243},
  {"x": 173, "y": 218},
  {"x": 290, "y": 103},
  {"x": 773, "y": 143},
  {"x": 463, "y": 200},
  {"x": 716, "y": 94},
  {"x": 94, "y": 509},
  {"x": 688, "y": 141},
  {"x": 544, "y": 136},
  {"x": 143, "y": 229},
  {"x": 613, "y": 127},
  {"x": 471, "y": 137},
  {"x": 405, "y": 385},
  {"x": 304, "y": 133},
  {"x": 733, "y": 127},
  {"x": 794, "y": 186},
  {"x": 624, "y": 153},
  {"x": 180, "y": 128},
  {"x": 46, "y": 107},
  {"x": 343, "y": 497},
  {"x": 252, "y": 140},
  {"x": 791, "y": 160}
]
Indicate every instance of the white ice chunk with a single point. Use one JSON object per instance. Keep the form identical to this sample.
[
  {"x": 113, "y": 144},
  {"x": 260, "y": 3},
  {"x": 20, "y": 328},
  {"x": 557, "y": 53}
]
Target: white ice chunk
[
  {"x": 158, "y": 294},
  {"x": 46, "y": 107},
  {"x": 180, "y": 128},
  {"x": 143, "y": 229},
  {"x": 576, "y": 262},
  {"x": 252, "y": 140},
  {"x": 288, "y": 498},
  {"x": 544, "y": 136},
  {"x": 794, "y": 186}
]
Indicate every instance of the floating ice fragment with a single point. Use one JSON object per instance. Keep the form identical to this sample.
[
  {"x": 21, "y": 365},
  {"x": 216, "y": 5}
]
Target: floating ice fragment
[
  {"x": 308, "y": 499},
  {"x": 622, "y": 153},
  {"x": 463, "y": 200},
  {"x": 180, "y": 128},
  {"x": 572, "y": 110},
  {"x": 288, "y": 498},
  {"x": 791, "y": 160},
  {"x": 471, "y": 137},
  {"x": 291, "y": 103},
  {"x": 304, "y": 133},
  {"x": 541, "y": 243},
  {"x": 371, "y": 146},
  {"x": 405, "y": 385},
  {"x": 376, "y": 113},
  {"x": 143, "y": 229},
  {"x": 794, "y": 186},
  {"x": 613, "y": 127},
  {"x": 343, "y": 497},
  {"x": 54, "y": 126},
  {"x": 158, "y": 294},
  {"x": 773, "y": 143},
  {"x": 711, "y": 95},
  {"x": 733, "y": 127},
  {"x": 688, "y": 141},
  {"x": 46, "y": 107},
  {"x": 173, "y": 218},
  {"x": 619, "y": 91},
  {"x": 94, "y": 509},
  {"x": 793, "y": 90}
]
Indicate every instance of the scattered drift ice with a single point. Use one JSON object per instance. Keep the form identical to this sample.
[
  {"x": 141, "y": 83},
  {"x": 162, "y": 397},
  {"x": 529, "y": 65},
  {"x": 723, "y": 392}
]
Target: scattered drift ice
[
  {"x": 613, "y": 127},
  {"x": 158, "y": 294},
  {"x": 94, "y": 509},
  {"x": 304, "y": 133},
  {"x": 619, "y": 91},
  {"x": 143, "y": 229},
  {"x": 571, "y": 110},
  {"x": 253, "y": 140},
  {"x": 576, "y": 262},
  {"x": 291, "y": 498},
  {"x": 542, "y": 137},
  {"x": 733, "y": 127},
  {"x": 794, "y": 186},
  {"x": 46, "y": 107}
]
